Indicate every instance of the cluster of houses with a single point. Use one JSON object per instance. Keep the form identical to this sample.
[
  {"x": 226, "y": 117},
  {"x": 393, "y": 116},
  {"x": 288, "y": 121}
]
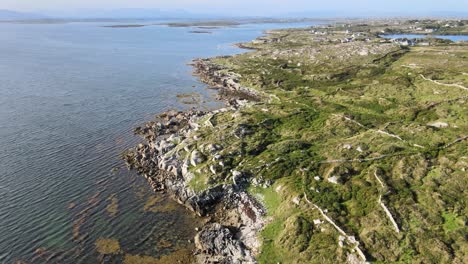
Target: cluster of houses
[
  {"x": 423, "y": 29},
  {"x": 410, "y": 42},
  {"x": 318, "y": 32},
  {"x": 358, "y": 36},
  {"x": 425, "y": 26},
  {"x": 264, "y": 40}
]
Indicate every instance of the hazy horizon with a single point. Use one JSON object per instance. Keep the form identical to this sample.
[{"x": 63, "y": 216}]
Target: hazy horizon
[{"x": 241, "y": 7}]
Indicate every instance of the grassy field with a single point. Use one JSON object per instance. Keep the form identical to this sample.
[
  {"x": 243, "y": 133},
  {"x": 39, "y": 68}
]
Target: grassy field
[{"x": 368, "y": 132}]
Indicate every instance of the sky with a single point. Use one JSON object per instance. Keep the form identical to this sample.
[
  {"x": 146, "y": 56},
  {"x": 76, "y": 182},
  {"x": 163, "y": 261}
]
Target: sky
[{"x": 250, "y": 7}]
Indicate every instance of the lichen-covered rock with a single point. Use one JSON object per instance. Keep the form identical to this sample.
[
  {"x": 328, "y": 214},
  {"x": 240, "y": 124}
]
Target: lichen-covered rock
[
  {"x": 216, "y": 244},
  {"x": 196, "y": 158}
]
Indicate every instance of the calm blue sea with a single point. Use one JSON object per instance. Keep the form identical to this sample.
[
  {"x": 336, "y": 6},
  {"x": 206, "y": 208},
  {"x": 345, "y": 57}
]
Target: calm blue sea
[{"x": 70, "y": 95}]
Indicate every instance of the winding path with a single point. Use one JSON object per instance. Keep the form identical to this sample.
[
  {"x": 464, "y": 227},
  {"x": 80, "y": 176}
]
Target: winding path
[
  {"x": 351, "y": 239},
  {"x": 445, "y": 84},
  {"x": 387, "y": 212}
]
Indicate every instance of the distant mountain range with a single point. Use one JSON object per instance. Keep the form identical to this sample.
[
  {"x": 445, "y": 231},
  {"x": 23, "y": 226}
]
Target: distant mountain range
[
  {"x": 373, "y": 14},
  {"x": 91, "y": 14},
  {"x": 14, "y": 15},
  {"x": 150, "y": 13},
  {"x": 124, "y": 13}
]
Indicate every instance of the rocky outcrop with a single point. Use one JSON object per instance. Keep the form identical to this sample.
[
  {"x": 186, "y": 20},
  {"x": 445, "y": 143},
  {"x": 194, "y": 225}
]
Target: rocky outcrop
[
  {"x": 231, "y": 91},
  {"x": 219, "y": 245},
  {"x": 165, "y": 161}
]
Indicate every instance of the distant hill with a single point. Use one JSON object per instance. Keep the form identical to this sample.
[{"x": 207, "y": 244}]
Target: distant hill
[
  {"x": 459, "y": 14},
  {"x": 375, "y": 14},
  {"x": 123, "y": 13},
  {"x": 15, "y": 15}
]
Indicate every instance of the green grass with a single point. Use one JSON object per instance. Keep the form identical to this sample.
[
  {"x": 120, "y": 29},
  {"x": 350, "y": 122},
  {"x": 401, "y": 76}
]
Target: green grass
[
  {"x": 452, "y": 222},
  {"x": 319, "y": 93},
  {"x": 268, "y": 196}
]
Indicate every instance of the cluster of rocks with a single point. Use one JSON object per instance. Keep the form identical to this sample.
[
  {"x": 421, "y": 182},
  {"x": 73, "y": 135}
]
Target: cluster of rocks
[
  {"x": 231, "y": 91},
  {"x": 170, "y": 150}
]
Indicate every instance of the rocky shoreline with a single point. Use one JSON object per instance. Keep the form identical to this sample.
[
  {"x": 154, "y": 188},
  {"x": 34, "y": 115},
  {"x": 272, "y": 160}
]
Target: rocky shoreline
[
  {"x": 171, "y": 152},
  {"x": 350, "y": 141}
]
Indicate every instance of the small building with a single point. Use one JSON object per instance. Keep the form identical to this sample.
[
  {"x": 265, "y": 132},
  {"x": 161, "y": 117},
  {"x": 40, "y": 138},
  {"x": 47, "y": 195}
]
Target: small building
[
  {"x": 403, "y": 42},
  {"x": 346, "y": 40}
]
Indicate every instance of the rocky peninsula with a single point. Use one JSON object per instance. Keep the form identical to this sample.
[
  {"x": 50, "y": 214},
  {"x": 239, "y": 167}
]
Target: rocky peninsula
[
  {"x": 335, "y": 145},
  {"x": 235, "y": 216}
]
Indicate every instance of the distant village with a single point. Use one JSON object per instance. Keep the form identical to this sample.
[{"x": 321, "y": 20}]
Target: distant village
[{"x": 359, "y": 31}]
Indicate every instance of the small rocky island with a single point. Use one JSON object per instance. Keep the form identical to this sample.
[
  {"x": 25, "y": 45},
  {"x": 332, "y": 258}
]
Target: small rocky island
[
  {"x": 335, "y": 146},
  {"x": 125, "y": 26}
]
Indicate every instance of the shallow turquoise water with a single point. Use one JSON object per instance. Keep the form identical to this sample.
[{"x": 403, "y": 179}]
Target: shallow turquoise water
[{"x": 70, "y": 95}]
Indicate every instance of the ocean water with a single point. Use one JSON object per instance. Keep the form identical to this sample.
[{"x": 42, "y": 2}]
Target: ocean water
[{"x": 70, "y": 95}]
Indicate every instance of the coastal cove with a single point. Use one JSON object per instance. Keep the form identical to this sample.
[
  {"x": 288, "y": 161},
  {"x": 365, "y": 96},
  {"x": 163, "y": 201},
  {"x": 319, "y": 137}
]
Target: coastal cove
[{"x": 70, "y": 97}]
